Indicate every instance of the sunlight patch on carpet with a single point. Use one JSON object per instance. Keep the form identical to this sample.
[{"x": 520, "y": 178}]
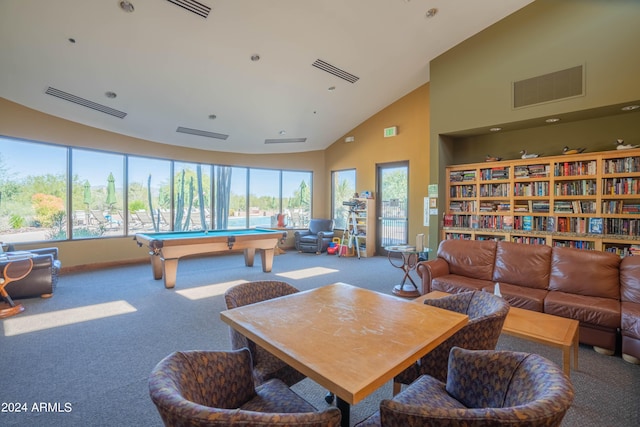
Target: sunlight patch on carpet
[
  {"x": 307, "y": 272},
  {"x": 38, "y": 322},
  {"x": 207, "y": 291}
]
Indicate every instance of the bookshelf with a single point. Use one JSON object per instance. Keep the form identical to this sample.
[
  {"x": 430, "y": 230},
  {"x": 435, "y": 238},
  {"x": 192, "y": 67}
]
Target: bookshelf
[{"x": 587, "y": 201}]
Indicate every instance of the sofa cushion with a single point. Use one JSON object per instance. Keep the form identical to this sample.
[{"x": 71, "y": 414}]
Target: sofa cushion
[
  {"x": 583, "y": 272},
  {"x": 590, "y": 310},
  {"x": 522, "y": 264},
  {"x": 453, "y": 284},
  {"x": 469, "y": 258},
  {"x": 630, "y": 319},
  {"x": 630, "y": 279},
  {"x": 521, "y": 296}
]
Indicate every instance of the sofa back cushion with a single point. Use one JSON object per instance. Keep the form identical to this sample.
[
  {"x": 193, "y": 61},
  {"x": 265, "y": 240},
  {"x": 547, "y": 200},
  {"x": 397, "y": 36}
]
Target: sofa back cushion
[
  {"x": 470, "y": 258},
  {"x": 522, "y": 264},
  {"x": 630, "y": 279},
  {"x": 584, "y": 272}
]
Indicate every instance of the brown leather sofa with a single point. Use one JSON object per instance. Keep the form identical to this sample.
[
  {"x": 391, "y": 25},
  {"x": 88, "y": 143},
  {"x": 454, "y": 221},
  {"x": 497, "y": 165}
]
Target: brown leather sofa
[
  {"x": 42, "y": 280},
  {"x": 578, "y": 284},
  {"x": 630, "y": 298}
]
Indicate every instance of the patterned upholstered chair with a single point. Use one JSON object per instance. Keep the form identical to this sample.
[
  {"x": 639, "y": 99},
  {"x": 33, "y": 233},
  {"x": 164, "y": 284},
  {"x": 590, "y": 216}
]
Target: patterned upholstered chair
[
  {"x": 216, "y": 388},
  {"x": 265, "y": 365},
  {"x": 486, "y": 316},
  {"x": 483, "y": 388}
]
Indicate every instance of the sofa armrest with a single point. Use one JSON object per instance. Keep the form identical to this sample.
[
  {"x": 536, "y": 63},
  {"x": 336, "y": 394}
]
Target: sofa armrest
[{"x": 428, "y": 270}]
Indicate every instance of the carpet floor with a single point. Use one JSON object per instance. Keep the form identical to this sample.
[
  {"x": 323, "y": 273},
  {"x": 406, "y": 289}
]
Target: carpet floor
[{"x": 82, "y": 358}]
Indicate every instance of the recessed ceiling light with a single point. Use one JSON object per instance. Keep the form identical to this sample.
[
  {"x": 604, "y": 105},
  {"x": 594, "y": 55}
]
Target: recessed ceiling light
[
  {"x": 255, "y": 57},
  {"x": 495, "y": 129},
  {"x": 431, "y": 12},
  {"x": 127, "y": 6},
  {"x": 331, "y": 89},
  {"x": 630, "y": 107},
  {"x": 110, "y": 94},
  {"x": 213, "y": 116},
  {"x": 552, "y": 120}
]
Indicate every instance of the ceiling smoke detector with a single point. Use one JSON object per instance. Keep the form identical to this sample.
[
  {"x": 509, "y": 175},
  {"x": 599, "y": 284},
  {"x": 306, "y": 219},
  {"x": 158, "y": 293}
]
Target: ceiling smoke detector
[{"x": 431, "y": 12}]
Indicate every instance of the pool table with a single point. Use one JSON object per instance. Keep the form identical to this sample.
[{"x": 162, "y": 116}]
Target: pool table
[{"x": 166, "y": 248}]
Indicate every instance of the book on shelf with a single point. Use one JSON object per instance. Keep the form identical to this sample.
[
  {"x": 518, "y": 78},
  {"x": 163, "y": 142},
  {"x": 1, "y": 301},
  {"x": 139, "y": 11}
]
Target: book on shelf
[
  {"x": 551, "y": 224},
  {"x": 527, "y": 223},
  {"x": 507, "y": 222},
  {"x": 595, "y": 225}
]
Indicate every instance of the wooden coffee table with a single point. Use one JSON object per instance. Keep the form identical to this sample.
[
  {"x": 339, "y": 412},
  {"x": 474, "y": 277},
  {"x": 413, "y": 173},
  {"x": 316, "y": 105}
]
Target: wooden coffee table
[{"x": 539, "y": 327}]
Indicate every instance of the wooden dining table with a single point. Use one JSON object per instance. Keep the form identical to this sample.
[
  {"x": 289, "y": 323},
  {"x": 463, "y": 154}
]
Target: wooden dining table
[{"x": 348, "y": 339}]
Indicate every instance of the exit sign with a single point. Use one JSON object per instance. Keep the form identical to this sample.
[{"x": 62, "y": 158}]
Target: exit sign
[{"x": 389, "y": 132}]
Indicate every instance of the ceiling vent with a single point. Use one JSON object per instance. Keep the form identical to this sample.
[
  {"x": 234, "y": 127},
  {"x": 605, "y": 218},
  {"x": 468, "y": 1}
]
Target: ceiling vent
[
  {"x": 84, "y": 102},
  {"x": 325, "y": 66},
  {"x": 284, "y": 140},
  {"x": 201, "y": 133},
  {"x": 193, "y": 7},
  {"x": 562, "y": 84}
]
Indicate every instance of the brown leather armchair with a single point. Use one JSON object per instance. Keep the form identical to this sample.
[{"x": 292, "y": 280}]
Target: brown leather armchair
[{"x": 42, "y": 280}]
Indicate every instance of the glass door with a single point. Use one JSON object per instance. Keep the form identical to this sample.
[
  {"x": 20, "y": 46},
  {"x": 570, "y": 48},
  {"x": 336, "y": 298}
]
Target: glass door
[{"x": 392, "y": 205}]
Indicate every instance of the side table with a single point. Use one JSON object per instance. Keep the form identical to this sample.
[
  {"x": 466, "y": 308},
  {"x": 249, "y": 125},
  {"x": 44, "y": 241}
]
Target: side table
[{"x": 407, "y": 262}]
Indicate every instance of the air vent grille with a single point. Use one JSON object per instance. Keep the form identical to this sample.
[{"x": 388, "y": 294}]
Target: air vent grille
[
  {"x": 84, "y": 102},
  {"x": 549, "y": 87},
  {"x": 284, "y": 140},
  {"x": 193, "y": 7},
  {"x": 325, "y": 66},
  {"x": 202, "y": 133}
]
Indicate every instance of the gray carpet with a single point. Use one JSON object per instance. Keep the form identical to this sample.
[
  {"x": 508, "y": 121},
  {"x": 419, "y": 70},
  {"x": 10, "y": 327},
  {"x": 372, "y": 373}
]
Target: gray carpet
[{"x": 75, "y": 362}]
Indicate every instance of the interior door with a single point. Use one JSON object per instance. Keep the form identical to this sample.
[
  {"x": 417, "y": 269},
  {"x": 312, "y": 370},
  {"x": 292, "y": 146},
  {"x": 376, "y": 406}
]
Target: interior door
[{"x": 392, "y": 205}]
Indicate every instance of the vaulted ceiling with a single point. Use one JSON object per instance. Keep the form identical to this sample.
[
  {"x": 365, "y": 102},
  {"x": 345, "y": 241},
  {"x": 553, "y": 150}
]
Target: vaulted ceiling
[{"x": 248, "y": 76}]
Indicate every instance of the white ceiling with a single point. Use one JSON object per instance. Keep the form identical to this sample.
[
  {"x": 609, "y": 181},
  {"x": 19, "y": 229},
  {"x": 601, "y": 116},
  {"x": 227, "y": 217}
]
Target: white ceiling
[{"x": 171, "y": 68}]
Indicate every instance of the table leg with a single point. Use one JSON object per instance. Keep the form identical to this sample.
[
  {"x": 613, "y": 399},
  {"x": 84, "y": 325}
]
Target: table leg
[
  {"x": 345, "y": 411},
  {"x": 249, "y": 255},
  {"x": 267, "y": 259},
  {"x": 156, "y": 267},
  {"x": 170, "y": 267},
  {"x": 576, "y": 347}
]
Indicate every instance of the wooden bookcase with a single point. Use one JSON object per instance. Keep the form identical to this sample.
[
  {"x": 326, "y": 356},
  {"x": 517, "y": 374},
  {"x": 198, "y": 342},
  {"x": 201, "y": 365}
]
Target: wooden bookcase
[
  {"x": 366, "y": 224},
  {"x": 587, "y": 201}
]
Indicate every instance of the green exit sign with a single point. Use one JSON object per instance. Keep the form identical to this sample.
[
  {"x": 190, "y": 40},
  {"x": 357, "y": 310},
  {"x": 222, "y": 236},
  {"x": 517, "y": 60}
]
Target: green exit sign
[{"x": 389, "y": 132}]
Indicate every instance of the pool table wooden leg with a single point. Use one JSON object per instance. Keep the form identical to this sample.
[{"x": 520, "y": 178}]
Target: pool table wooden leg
[
  {"x": 156, "y": 267},
  {"x": 170, "y": 272},
  {"x": 267, "y": 259},
  {"x": 249, "y": 255}
]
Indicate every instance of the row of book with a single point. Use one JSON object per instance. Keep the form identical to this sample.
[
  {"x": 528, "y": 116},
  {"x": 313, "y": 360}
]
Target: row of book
[
  {"x": 583, "y": 187},
  {"x": 458, "y": 191},
  {"x": 494, "y": 173},
  {"x": 621, "y": 207},
  {"x": 579, "y": 168},
  {"x": 459, "y": 176},
  {"x": 531, "y": 171},
  {"x": 574, "y": 206},
  {"x": 624, "y": 165},
  {"x": 536, "y": 188},
  {"x": 621, "y": 186},
  {"x": 623, "y": 250},
  {"x": 494, "y": 190}
]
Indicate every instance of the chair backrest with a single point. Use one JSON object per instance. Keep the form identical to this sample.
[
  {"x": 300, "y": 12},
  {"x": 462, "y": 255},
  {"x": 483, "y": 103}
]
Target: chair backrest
[
  {"x": 514, "y": 385},
  {"x": 215, "y": 388},
  {"x": 317, "y": 225},
  {"x": 265, "y": 364},
  {"x": 485, "y": 388},
  {"x": 486, "y": 312}
]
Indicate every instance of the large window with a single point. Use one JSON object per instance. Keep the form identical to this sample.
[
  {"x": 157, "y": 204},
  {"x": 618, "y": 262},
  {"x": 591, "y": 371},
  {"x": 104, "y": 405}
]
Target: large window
[
  {"x": 343, "y": 187},
  {"x": 149, "y": 196},
  {"x": 114, "y": 194},
  {"x": 33, "y": 191},
  {"x": 98, "y": 196},
  {"x": 296, "y": 198}
]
